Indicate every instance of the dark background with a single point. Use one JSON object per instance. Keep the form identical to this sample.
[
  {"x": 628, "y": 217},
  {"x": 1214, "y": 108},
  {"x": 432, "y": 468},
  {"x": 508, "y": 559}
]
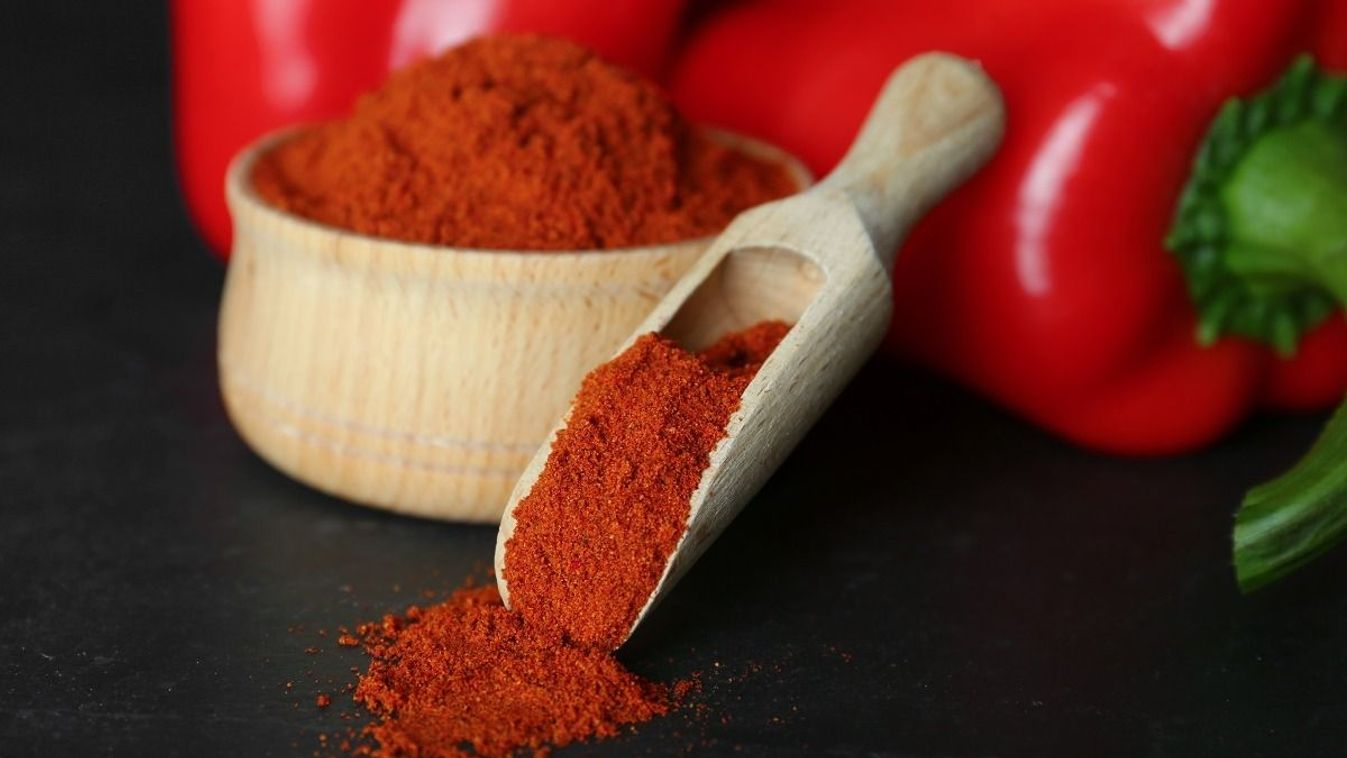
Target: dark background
[{"x": 952, "y": 582}]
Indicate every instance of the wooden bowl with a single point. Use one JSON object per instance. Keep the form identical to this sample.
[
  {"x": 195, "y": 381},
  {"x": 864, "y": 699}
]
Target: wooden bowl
[{"x": 419, "y": 378}]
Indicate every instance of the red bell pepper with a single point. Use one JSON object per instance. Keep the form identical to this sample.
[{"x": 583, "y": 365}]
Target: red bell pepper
[
  {"x": 241, "y": 69},
  {"x": 1045, "y": 282}
]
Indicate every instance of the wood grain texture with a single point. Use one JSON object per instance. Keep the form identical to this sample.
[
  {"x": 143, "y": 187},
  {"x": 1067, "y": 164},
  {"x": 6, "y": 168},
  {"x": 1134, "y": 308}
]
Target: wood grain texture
[
  {"x": 415, "y": 377},
  {"x": 821, "y": 260}
]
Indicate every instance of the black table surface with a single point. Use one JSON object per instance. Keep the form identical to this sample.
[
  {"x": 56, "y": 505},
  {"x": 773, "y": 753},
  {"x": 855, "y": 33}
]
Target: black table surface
[{"x": 926, "y": 575}]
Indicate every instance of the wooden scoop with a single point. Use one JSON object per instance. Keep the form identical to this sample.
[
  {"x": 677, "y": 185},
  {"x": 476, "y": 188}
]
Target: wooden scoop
[{"x": 821, "y": 261}]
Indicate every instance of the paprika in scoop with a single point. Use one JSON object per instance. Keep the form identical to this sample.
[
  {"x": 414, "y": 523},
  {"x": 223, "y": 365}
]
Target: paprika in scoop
[{"x": 594, "y": 535}]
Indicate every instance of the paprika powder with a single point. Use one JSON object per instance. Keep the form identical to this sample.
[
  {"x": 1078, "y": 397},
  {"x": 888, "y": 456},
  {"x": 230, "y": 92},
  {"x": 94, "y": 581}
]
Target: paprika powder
[
  {"x": 516, "y": 142},
  {"x": 241, "y": 69},
  {"x": 591, "y": 541},
  {"x": 592, "y": 537},
  {"x": 470, "y": 672}
]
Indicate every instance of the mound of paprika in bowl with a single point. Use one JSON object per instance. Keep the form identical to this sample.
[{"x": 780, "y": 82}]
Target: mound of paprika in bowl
[{"x": 416, "y": 291}]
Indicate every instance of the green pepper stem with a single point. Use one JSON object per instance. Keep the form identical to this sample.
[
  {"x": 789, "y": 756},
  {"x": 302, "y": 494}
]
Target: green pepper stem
[
  {"x": 1287, "y": 209},
  {"x": 1261, "y": 226},
  {"x": 1261, "y": 231},
  {"x": 1291, "y": 520}
]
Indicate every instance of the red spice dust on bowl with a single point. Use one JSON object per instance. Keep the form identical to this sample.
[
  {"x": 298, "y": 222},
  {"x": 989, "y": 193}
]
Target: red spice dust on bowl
[{"x": 412, "y": 376}]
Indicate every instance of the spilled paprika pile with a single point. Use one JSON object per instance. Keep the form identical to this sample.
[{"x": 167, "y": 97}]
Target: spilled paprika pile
[
  {"x": 590, "y": 544},
  {"x": 470, "y": 672},
  {"x": 517, "y": 142}
]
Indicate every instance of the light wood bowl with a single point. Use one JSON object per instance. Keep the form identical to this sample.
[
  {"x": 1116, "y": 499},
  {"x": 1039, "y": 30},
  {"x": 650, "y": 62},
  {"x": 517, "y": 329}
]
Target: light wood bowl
[{"x": 418, "y": 378}]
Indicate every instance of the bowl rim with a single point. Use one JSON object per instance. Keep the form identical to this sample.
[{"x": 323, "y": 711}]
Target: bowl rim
[{"x": 239, "y": 188}]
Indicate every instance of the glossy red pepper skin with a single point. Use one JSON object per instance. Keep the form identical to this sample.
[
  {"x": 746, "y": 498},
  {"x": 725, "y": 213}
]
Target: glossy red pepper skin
[
  {"x": 241, "y": 68},
  {"x": 1044, "y": 282}
]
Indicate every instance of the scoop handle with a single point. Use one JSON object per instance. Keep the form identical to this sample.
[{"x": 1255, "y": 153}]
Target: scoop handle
[{"x": 937, "y": 119}]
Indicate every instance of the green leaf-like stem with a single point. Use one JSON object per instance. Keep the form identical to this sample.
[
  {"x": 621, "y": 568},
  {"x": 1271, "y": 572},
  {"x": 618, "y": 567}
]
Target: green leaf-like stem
[{"x": 1294, "y": 518}]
